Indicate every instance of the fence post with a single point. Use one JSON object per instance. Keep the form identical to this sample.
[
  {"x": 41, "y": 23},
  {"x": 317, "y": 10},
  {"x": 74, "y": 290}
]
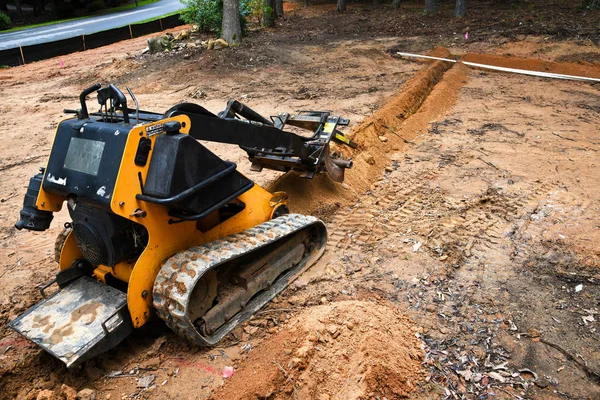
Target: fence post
[
  {"x": 22, "y": 56},
  {"x": 161, "y": 27},
  {"x": 130, "y": 31},
  {"x": 83, "y": 39}
]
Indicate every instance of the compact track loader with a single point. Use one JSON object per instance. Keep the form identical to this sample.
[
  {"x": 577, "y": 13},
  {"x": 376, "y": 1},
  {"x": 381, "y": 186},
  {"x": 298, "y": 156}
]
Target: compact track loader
[{"x": 162, "y": 225}]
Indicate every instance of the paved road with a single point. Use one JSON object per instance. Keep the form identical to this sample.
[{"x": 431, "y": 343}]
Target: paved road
[{"x": 87, "y": 26}]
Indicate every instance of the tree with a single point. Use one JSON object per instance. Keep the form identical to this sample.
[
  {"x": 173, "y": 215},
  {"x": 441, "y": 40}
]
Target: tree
[
  {"x": 461, "y": 8},
  {"x": 3, "y": 6},
  {"x": 269, "y": 13},
  {"x": 341, "y": 5},
  {"x": 19, "y": 8},
  {"x": 231, "y": 28},
  {"x": 279, "y": 8},
  {"x": 431, "y": 8},
  {"x": 396, "y": 3}
]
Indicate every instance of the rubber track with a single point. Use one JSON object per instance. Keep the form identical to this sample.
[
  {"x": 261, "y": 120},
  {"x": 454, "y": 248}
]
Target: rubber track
[{"x": 177, "y": 278}]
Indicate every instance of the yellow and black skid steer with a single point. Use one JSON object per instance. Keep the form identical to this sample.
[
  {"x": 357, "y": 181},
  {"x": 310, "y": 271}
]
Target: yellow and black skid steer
[{"x": 161, "y": 225}]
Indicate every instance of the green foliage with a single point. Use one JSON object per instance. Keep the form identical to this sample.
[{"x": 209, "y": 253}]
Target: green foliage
[
  {"x": 96, "y": 5},
  {"x": 258, "y": 9},
  {"x": 208, "y": 14},
  {"x": 5, "y": 22},
  {"x": 591, "y": 4}
]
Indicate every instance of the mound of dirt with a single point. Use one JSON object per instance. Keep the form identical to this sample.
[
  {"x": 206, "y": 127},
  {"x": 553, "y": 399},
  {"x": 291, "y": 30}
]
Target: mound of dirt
[{"x": 345, "y": 350}]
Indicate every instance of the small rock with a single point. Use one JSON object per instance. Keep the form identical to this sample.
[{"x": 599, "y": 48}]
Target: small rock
[
  {"x": 217, "y": 44},
  {"x": 250, "y": 330},
  {"x": 86, "y": 394},
  {"x": 272, "y": 330},
  {"x": 46, "y": 394},
  {"x": 430, "y": 308},
  {"x": 68, "y": 392},
  {"x": 287, "y": 352},
  {"x": 151, "y": 363},
  {"x": 185, "y": 34},
  {"x": 145, "y": 381},
  {"x": 443, "y": 258},
  {"x": 159, "y": 44},
  {"x": 345, "y": 186},
  {"x": 383, "y": 139},
  {"x": 370, "y": 160},
  {"x": 333, "y": 331},
  {"x": 542, "y": 382},
  {"x": 323, "y": 300},
  {"x": 389, "y": 169},
  {"x": 533, "y": 333},
  {"x": 297, "y": 362}
]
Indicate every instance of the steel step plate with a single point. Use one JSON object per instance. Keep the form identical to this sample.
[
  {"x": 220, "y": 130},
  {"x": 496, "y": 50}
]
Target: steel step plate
[{"x": 78, "y": 322}]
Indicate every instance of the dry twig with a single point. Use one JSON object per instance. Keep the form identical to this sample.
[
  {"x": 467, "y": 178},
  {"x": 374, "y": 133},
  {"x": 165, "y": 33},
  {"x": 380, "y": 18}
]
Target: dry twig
[{"x": 593, "y": 375}]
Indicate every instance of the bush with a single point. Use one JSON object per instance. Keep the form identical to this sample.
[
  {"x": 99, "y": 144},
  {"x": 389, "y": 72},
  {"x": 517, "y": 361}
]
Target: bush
[
  {"x": 257, "y": 9},
  {"x": 591, "y": 4},
  {"x": 5, "y": 22},
  {"x": 208, "y": 14},
  {"x": 96, "y": 5}
]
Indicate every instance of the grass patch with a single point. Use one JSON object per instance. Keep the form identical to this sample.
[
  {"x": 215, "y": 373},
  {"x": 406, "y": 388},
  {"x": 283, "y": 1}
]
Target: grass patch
[
  {"x": 155, "y": 18},
  {"x": 95, "y": 14}
]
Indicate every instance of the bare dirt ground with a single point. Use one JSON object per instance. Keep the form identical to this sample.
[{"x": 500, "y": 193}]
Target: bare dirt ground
[{"x": 463, "y": 252}]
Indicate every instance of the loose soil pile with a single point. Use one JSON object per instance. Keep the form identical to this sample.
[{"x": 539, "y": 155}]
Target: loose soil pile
[{"x": 347, "y": 349}]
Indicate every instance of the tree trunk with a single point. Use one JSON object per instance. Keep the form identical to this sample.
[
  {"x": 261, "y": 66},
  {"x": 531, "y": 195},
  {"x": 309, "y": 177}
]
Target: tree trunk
[
  {"x": 431, "y": 7},
  {"x": 341, "y": 5},
  {"x": 305, "y": 3},
  {"x": 38, "y": 7},
  {"x": 396, "y": 3},
  {"x": 18, "y": 6},
  {"x": 461, "y": 8},
  {"x": 270, "y": 13},
  {"x": 279, "y": 8},
  {"x": 231, "y": 29}
]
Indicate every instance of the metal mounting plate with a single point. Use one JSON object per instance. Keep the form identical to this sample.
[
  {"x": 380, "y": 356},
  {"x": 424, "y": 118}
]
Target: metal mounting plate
[{"x": 78, "y": 322}]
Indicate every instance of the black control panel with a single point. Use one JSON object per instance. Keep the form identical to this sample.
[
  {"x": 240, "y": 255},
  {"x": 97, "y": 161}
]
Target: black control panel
[{"x": 85, "y": 160}]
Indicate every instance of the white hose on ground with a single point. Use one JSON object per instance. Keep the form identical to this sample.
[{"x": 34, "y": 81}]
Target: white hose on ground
[{"x": 505, "y": 69}]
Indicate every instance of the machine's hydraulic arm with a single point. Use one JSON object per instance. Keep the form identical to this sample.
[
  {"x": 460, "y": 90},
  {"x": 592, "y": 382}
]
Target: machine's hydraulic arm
[{"x": 265, "y": 141}]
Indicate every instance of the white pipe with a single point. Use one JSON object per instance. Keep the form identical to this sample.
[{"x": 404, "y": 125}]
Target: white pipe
[
  {"x": 506, "y": 69},
  {"x": 428, "y": 57}
]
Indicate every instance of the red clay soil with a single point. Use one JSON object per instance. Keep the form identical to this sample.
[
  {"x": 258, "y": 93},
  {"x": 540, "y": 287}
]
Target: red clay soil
[
  {"x": 580, "y": 68},
  {"x": 346, "y": 349}
]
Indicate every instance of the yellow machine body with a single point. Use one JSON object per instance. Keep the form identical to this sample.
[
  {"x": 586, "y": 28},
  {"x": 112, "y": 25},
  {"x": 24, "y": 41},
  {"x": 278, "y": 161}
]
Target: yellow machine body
[{"x": 164, "y": 239}]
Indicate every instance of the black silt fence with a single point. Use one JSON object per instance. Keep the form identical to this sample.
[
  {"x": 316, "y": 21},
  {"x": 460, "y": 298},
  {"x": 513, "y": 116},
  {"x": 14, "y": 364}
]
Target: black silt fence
[
  {"x": 43, "y": 51},
  {"x": 146, "y": 28},
  {"x": 10, "y": 57},
  {"x": 26, "y": 54},
  {"x": 171, "y": 21},
  {"x": 107, "y": 37}
]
